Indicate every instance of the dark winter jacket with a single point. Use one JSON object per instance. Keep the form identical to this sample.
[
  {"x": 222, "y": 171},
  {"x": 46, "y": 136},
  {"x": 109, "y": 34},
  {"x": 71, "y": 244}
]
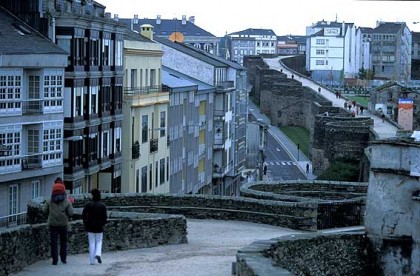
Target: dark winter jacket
[{"x": 94, "y": 216}]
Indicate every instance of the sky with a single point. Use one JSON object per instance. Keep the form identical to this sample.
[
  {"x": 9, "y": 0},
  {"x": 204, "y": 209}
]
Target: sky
[{"x": 283, "y": 17}]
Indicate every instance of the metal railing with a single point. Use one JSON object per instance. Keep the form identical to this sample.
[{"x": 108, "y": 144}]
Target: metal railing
[
  {"x": 144, "y": 90},
  {"x": 13, "y": 220}
]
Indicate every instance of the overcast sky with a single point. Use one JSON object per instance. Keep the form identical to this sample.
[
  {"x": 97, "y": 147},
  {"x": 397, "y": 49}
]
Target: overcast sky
[{"x": 282, "y": 16}]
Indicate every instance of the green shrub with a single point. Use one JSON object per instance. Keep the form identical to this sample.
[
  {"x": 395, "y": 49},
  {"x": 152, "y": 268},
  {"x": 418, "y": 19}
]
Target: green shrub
[{"x": 342, "y": 169}]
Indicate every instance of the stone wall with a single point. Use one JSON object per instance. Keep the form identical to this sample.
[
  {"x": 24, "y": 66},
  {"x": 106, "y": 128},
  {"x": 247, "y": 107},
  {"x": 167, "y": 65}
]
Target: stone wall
[
  {"x": 298, "y": 215},
  {"x": 339, "y": 204},
  {"x": 27, "y": 244},
  {"x": 308, "y": 254},
  {"x": 336, "y": 136}
]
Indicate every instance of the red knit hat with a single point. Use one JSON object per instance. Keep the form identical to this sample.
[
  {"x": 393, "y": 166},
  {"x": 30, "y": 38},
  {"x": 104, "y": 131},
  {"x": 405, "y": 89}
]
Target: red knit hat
[{"x": 58, "y": 188}]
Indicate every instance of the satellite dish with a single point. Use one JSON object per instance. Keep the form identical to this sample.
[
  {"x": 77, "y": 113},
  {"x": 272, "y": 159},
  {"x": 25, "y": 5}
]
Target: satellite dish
[{"x": 176, "y": 37}]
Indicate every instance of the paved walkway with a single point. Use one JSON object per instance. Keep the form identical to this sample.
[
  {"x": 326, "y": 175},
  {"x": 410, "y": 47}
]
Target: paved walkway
[
  {"x": 383, "y": 129},
  {"x": 211, "y": 249}
]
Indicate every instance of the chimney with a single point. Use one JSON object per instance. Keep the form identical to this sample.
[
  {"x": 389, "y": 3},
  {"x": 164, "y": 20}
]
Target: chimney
[
  {"x": 146, "y": 30},
  {"x": 184, "y": 20},
  {"x": 136, "y": 19},
  {"x": 116, "y": 17},
  {"x": 191, "y": 19},
  {"x": 158, "y": 19},
  {"x": 108, "y": 15}
]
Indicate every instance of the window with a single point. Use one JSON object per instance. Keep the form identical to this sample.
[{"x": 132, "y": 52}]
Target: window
[
  {"x": 94, "y": 100},
  {"x": 93, "y": 147},
  {"x": 137, "y": 181},
  {"x": 167, "y": 168},
  {"x": 144, "y": 128},
  {"x": 10, "y": 93},
  {"x": 13, "y": 200},
  {"x": 320, "y": 41},
  {"x": 117, "y": 133},
  {"x": 36, "y": 189},
  {"x": 320, "y": 52},
  {"x": 53, "y": 91},
  {"x": 133, "y": 79},
  {"x": 118, "y": 53},
  {"x": 153, "y": 77},
  {"x": 106, "y": 50},
  {"x": 10, "y": 138},
  {"x": 78, "y": 101},
  {"x": 319, "y": 62},
  {"x": 150, "y": 177},
  {"x": 156, "y": 173},
  {"x": 162, "y": 171},
  {"x": 162, "y": 123},
  {"x": 144, "y": 179},
  {"x": 52, "y": 148},
  {"x": 105, "y": 144}
]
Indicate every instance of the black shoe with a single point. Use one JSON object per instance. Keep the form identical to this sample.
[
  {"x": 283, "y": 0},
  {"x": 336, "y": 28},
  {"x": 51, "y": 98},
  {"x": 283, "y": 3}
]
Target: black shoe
[
  {"x": 64, "y": 262},
  {"x": 99, "y": 259},
  {"x": 54, "y": 263}
]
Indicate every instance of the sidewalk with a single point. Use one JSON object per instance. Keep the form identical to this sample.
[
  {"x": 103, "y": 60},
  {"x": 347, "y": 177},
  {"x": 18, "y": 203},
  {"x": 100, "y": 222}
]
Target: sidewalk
[
  {"x": 383, "y": 129},
  {"x": 211, "y": 250}
]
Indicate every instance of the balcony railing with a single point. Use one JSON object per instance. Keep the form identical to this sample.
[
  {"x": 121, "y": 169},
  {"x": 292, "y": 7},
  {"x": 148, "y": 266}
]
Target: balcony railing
[
  {"x": 32, "y": 162},
  {"x": 13, "y": 220},
  {"x": 144, "y": 90},
  {"x": 225, "y": 84},
  {"x": 32, "y": 106}
]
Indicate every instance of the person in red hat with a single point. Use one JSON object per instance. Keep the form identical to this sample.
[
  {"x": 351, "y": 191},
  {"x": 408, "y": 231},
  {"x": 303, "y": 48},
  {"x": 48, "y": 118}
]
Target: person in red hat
[{"x": 59, "y": 209}]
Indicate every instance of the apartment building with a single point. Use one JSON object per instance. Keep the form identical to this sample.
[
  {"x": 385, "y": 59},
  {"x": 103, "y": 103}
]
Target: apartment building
[
  {"x": 180, "y": 29},
  {"x": 190, "y": 132},
  {"x": 229, "y": 108},
  {"x": 331, "y": 52},
  {"x": 252, "y": 42},
  {"x": 391, "y": 51},
  {"x": 145, "y": 106},
  {"x": 93, "y": 87},
  {"x": 31, "y": 115}
]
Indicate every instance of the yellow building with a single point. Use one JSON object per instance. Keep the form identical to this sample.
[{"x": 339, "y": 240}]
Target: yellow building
[{"x": 145, "y": 107}]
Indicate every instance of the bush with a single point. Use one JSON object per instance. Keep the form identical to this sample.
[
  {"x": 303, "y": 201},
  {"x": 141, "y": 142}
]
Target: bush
[{"x": 341, "y": 170}]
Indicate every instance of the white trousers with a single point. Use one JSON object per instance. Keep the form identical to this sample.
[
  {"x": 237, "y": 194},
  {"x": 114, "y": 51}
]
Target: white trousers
[{"x": 95, "y": 245}]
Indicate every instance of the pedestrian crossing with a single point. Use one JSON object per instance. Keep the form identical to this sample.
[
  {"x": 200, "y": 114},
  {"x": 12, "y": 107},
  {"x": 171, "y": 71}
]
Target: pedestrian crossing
[{"x": 280, "y": 163}]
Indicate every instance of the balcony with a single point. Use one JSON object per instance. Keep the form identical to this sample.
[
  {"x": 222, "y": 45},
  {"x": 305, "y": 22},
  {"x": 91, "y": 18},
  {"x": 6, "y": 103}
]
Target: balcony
[
  {"x": 32, "y": 107},
  {"x": 144, "y": 90},
  {"x": 224, "y": 85},
  {"x": 32, "y": 162}
]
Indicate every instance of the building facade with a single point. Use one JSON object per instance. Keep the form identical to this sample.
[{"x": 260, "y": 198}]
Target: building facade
[
  {"x": 331, "y": 52},
  {"x": 190, "y": 132},
  {"x": 93, "y": 87},
  {"x": 31, "y": 115},
  {"x": 391, "y": 51},
  {"x": 252, "y": 42},
  {"x": 145, "y": 106},
  {"x": 229, "y": 109},
  {"x": 182, "y": 30}
]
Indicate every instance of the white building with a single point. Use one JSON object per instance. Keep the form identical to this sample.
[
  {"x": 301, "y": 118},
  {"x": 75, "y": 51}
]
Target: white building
[
  {"x": 252, "y": 42},
  {"x": 31, "y": 115},
  {"x": 332, "y": 53}
]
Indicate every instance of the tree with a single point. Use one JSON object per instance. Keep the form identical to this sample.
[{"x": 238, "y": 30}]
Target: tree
[{"x": 362, "y": 73}]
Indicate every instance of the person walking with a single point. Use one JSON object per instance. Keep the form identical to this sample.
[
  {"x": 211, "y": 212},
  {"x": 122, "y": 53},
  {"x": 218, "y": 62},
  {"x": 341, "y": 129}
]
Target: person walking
[
  {"x": 59, "y": 209},
  {"x": 94, "y": 218}
]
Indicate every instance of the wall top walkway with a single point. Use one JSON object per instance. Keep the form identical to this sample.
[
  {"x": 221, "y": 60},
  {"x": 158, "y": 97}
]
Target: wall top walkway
[{"x": 383, "y": 129}]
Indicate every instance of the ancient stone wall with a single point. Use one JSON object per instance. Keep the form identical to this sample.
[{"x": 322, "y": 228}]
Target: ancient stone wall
[
  {"x": 339, "y": 204},
  {"x": 308, "y": 254},
  {"x": 27, "y": 244}
]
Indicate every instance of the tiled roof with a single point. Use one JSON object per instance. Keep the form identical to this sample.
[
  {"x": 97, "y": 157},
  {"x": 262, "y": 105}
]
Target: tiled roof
[
  {"x": 168, "y": 26},
  {"x": 251, "y": 31},
  {"x": 366, "y": 30},
  {"x": 292, "y": 38},
  {"x": 388, "y": 28},
  {"x": 17, "y": 38},
  {"x": 136, "y": 36}
]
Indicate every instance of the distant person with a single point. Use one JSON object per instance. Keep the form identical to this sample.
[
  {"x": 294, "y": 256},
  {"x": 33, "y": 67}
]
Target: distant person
[
  {"x": 94, "y": 218},
  {"x": 265, "y": 169},
  {"x": 293, "y": 76},
  {"x": 361, "y": 109},
  {"x": 59, "y": 209},
  {"x": 319, "y": 89},
  {"x": 307, "y": 168}
]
